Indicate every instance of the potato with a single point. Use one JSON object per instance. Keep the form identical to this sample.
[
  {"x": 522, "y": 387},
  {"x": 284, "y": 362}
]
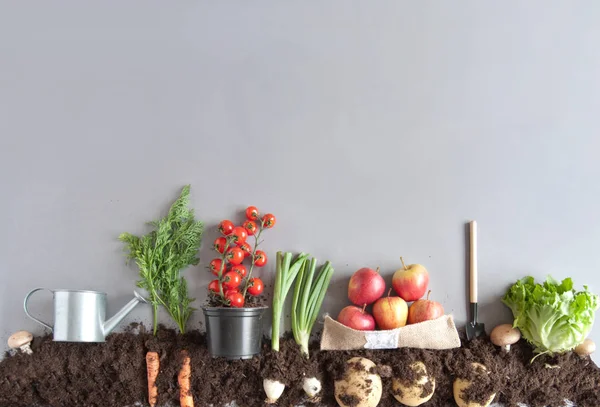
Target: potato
[
  {"x": 411, "y": 394},
  {"x": 359, "y": 387},
  {"x": 461, "y": 384}
]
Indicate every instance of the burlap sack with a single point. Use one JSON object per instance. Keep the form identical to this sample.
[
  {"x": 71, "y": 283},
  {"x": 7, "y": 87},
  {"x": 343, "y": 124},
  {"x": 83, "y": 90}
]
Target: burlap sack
[{"x": 439, "y": 333}]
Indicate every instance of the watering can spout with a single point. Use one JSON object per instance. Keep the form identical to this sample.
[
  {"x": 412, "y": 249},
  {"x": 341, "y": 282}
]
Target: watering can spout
[{"x": 109, "y": 325}]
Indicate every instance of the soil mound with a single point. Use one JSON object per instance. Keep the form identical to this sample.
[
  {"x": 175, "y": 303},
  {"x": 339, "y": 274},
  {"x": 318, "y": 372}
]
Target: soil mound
[{"x": 113, "y": 374}]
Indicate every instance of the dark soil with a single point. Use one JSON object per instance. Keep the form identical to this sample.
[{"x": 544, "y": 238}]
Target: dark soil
[
  {"x": 113, "y": 374},
  {"x": 213, "y": 300},
  {"x": 349, "y": 400}
]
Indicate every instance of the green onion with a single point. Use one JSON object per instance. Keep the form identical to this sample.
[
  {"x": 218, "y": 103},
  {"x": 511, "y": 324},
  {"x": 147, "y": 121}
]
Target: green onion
[
  {"x": 307, "y": 301},
  {"x": 285, "y": 275}
]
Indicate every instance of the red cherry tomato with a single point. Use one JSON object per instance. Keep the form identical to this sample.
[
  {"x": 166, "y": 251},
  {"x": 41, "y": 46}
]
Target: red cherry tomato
[
  {"x": 220, "y": 243},
  {"x": 236, "y": 299},
  {"x": 247, "y": 249},
  {"x": 215, "y": 266},
  {"x": 250, "y": 227},
  {"x": 240, "y": 269},
  {"x": 260, "y": 259},
  {"x": 269, "y": 220},
  {"x": 226, "y": 227},
  {"x": 252, "y": 213},
  {"x": 235, "y": 255},
  {"x": 231, "y": 291},
  {"x": 214, "y": 286},
  {"x": 239, "y": 235},
  {"x": 231, "y": 279},
  {"x": 256, "y": 286}
]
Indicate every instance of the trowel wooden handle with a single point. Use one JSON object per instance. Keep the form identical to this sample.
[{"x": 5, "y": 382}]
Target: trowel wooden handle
[{"x": 473, "y": 260}]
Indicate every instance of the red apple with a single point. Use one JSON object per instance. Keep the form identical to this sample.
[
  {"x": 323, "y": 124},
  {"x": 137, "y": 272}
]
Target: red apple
[
  {"x": 390, "y": 312},
  {"x": 356, "y": 318},
  {"x": 424, "y": 310},
  {"x": 366, "y": 286},
  {"x": 410, "y": 282}
]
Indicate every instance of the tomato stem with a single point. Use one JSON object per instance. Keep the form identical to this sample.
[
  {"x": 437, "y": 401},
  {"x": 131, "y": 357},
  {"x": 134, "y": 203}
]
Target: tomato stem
[
  {"x": 253, "y": 258},
  {"x": 220, "y": 275}
]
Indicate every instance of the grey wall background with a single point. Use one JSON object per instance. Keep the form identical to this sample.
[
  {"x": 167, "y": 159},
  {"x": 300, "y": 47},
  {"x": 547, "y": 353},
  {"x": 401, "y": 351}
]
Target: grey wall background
[{"x": 371, "y": 129}]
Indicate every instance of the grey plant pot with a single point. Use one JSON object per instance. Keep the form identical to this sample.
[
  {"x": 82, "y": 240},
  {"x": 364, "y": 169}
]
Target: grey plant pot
[{"x": 234, "y": 333}]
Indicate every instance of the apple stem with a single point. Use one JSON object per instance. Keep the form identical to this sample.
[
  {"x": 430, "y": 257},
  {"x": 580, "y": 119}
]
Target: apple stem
[
  {"x": 428, "y": 292},
  {"x": 403, "y": 265},
  {"x": 364, "y": 307},
  {"x": 377, "y": 271},
  {"x": 389, "y": 292}
]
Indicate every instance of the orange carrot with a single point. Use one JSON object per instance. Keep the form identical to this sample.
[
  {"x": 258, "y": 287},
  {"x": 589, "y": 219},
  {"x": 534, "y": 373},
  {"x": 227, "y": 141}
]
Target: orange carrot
[
  {"x": 152, "y": 366},
  {"x": 185, "y": 395}
]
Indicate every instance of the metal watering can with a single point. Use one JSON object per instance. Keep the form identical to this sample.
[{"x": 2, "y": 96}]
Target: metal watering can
[{"x": 79, "y": 315}]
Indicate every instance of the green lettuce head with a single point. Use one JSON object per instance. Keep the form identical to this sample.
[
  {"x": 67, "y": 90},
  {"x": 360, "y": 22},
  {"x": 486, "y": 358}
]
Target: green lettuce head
[{"x": 553, "y": 316}]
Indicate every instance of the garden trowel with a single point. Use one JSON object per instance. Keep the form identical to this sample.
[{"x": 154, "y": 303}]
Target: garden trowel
[{"x": 474, "y": 328}]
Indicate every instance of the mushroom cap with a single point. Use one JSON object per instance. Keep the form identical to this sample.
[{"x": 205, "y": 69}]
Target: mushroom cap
[
  {"x": 19, "y": 339},
  {"x": 585, "y": 348},
  {"x": 505, "y": 334}
]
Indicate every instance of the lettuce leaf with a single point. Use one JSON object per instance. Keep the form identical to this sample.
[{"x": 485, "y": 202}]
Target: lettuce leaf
[{"x": 552, "y": 316}]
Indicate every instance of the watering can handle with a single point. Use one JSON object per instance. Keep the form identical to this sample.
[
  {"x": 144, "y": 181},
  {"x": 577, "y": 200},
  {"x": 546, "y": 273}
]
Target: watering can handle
[{"x": 27, "y": 311}]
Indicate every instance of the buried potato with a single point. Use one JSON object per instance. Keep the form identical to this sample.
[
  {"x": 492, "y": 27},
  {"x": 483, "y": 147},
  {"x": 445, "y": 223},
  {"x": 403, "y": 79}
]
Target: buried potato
[
  {"x": 417, "y": 391},
  {"x": 462, "y": 385},
  {"x": 360, "y": 386}
]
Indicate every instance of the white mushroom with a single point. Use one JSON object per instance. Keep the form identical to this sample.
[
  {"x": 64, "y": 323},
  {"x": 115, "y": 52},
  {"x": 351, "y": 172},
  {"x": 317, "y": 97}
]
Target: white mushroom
[
  {"x": 505, "y": 335},
  {"x": 21, "y": 340},
  {"x": 586, "y": 348}
]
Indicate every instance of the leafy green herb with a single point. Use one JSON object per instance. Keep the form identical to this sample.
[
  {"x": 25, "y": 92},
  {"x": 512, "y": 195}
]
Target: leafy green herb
[
  {"x": 162, "y": 254},
  {"x": 552, "y": 316}
]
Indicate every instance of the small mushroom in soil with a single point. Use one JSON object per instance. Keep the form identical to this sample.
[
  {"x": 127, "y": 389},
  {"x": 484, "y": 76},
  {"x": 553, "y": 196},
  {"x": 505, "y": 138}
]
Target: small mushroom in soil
[
  {"x": 586, "y": 348},
  {"x": 411, "y": 394},
  {"x": 505, "y": 335},
  {"x": 361, "y": 386},
  {"x": 21, "y": 340},
  {"x": 460, "y": 385}
]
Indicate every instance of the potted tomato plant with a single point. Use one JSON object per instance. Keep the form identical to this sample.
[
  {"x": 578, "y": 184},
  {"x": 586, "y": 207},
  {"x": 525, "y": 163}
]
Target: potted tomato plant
[{"x": 234, "y": 311}]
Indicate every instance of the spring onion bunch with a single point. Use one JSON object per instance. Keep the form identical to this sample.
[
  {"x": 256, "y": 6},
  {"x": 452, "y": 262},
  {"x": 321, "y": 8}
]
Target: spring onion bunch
[
  {"x": 285, "y": 274},
  {"x": 308, "y": 298},
  {"x": 309, "y": 293},
  {"x": 286, "y": 271}
]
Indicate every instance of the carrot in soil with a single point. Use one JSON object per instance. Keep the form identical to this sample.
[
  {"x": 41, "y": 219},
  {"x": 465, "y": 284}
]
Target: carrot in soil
[
  {"x": 152, "y": 366},
  {"x": 185, "y": 395}
]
